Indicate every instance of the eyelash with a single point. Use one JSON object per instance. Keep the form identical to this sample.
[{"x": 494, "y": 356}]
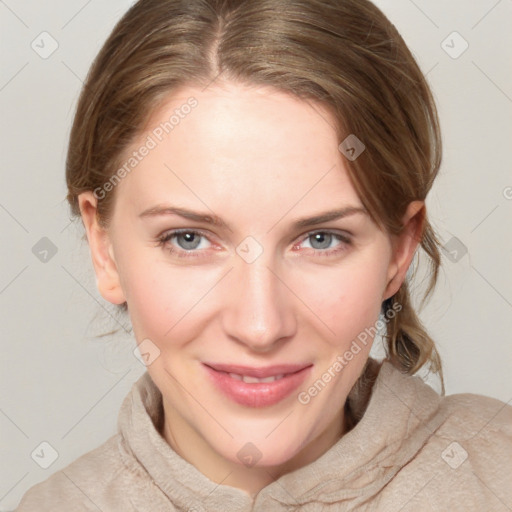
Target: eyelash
[{"x": 182, "y": 253}]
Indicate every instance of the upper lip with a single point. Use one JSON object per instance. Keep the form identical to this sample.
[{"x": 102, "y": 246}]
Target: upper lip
[{"x": 259, "y": 373}]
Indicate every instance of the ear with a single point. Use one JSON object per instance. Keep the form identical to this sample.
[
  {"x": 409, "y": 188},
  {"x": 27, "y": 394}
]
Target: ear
[
  {"x": 107, "y": 277},
  {"x": 404, "y": 246}
]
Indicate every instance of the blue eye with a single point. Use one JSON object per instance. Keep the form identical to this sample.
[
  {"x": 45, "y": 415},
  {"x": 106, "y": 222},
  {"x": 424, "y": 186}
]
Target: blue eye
[
  {"x": 185, "y": 243},
  {"x": 322, "y": 242},
  {"x": 190, "y": 240}
]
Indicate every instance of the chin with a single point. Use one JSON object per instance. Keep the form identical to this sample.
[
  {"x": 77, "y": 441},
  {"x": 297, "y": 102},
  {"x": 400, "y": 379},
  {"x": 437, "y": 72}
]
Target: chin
[{"x": 261, "y": 452}]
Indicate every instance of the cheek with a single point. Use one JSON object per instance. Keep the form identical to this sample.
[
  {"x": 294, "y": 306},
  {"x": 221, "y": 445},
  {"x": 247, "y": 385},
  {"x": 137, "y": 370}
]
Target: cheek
[
  {"x": 153, "y": 292},
  {"x": 164, "y": 300},
  {"x": 347, "y": 298}
]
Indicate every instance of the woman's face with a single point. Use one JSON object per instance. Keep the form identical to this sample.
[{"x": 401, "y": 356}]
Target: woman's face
[{"x": 249, "y": 281}]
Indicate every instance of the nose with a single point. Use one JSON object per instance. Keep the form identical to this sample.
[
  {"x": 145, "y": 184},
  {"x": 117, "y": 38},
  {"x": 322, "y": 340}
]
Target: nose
[{"x": 259, "y": 312}]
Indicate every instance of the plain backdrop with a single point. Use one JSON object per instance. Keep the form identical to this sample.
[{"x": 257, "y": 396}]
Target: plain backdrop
[{"x": 63, "y": 386}]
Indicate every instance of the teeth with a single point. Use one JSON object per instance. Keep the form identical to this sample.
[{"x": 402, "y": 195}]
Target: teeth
[{"x": 254, "y": 380}]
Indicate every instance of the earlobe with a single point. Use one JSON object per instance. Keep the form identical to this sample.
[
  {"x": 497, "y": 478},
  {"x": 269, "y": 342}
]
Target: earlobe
[
  {"x": 102, "y": 254},
  {"x": 404, "y": 246}
]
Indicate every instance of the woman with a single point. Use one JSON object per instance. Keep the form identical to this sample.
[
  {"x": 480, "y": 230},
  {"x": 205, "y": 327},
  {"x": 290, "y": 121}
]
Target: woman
[{"x": 252, "y": 177}]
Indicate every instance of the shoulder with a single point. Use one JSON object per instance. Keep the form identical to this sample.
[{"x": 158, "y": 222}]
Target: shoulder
[
  {"x": 466, "y": 460},
  {"x": 450, "y": 452},
  {"x": 478, "y": 433},
  {"x": 469, "y": 417},
  {"x": 473, "y": 416},
  {"x": 98, "y": 480}
]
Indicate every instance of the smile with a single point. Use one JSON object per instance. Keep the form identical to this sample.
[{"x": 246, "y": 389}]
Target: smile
[
  {"x": 257, "y": 387},
  {"x": 254, "y": 380}
]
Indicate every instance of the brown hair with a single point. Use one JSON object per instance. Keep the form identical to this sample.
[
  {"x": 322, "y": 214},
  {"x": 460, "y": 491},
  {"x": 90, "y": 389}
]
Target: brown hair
[{"x": 343, "y": 54}]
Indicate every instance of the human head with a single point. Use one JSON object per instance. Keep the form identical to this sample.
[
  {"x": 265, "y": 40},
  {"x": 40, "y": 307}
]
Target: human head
[{"x": 344, "y": 57}]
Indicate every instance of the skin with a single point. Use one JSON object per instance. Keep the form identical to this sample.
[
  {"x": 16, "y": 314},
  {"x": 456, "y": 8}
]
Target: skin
[{"x": 259, "y": 159}]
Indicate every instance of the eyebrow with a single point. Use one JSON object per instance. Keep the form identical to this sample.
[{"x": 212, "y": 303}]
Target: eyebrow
[{"x": 214, "y": 220}]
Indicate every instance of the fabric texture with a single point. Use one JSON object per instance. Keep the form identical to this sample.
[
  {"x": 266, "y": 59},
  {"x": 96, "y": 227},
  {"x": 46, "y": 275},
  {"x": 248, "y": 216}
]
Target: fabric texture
[{"x": 408, "y": 450}]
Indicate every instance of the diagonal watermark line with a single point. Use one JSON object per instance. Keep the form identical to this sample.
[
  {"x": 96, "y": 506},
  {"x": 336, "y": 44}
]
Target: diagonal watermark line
[
  {"x": 279, "y": 424},
  {"x": 81, "y": 81},
  {"x": 198, "y": 301},
  {"x": 12, "y": 280},
  {"x": 219, "y": 484},
  {"x": 14, "y": 76},
  {"x": 102, "y": 397},
  {"x": 420, "y": 420},
  {"x": 13, "y": 423},
  {"x": 191, "y": 191},
  {"x": 14, "y": 218},
  {"x": 94, "y": 298},
  {"x": 211, "y": 81},
  {"x": 300, "y": 199},
  {"x": 88, "y": 497},
  {"x": 302, "y": 444},
  {"x": 276, "y": 481},
  {"x": 9, "y": 491},
  {"x": 13, "y": 13},
  {"x": 424, "y": 14},
  {"x": 494, "y": 416},
  {"x": 492, "y": 81},
  {"x": 432, "y": 68},
  {"x": 490, "y": 490},
  {"x": 317, "y": 111},
  {"x": 493, "y": 287},
  {"x": 66, "y": 227},
  {"x": 199, "y": 403},
  {"x": 485, "y": 15},
  {"x": 76, "y": 75},
  {"x": 301, "y": 301},
  {"x": 416, "y": 493},
  {"x": 484, "y": 218},
  {"x": 75, "y": 15}
]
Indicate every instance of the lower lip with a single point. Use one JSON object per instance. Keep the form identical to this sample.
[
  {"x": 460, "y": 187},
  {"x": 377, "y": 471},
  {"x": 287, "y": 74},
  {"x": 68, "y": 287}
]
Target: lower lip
[{"x": 258, "y": 394}]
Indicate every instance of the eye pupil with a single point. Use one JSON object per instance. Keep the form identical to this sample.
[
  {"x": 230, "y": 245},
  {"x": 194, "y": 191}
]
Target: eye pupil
[
  {"x": 323, "y": 239},
  {"x": 191, "y": 240}
]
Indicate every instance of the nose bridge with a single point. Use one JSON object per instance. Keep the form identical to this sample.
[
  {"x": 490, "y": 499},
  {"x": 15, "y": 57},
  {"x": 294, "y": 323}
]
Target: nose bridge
[{"x": 260, "y": 311}]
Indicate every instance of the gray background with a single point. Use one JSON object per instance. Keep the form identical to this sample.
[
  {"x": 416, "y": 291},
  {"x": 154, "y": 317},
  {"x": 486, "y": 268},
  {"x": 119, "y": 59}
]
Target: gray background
[{"x": 63, "y": 386}]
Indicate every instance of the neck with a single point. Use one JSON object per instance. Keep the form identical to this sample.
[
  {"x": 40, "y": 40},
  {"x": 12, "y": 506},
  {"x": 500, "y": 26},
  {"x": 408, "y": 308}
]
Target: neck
[{"x": 192, "y": 447}]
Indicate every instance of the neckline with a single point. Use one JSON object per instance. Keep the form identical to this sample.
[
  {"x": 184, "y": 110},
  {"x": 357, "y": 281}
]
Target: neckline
[{"x": 348, "y": 467}]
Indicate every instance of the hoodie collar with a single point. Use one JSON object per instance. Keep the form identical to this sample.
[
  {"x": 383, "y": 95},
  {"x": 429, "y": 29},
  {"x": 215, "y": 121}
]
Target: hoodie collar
[{"x": 396, "y": 413}]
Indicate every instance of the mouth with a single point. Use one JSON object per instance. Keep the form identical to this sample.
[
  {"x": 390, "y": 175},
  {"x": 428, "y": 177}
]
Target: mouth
[{"x": 257, "y": 387}]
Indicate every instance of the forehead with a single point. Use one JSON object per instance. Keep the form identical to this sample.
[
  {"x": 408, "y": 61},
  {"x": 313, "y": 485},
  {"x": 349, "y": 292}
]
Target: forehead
[
  {"x": 240, "y": 141},
  {"x": 260, "y": 116}
]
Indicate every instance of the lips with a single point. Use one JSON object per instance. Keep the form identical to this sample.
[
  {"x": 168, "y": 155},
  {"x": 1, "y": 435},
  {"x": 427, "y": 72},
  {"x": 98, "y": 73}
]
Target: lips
[
  {"x": 257, "y": 387},
  {"x": 258, "y": 373}
]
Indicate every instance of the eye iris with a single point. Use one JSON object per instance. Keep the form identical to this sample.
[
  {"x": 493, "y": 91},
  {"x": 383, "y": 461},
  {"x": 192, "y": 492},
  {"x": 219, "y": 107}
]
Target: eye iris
[
  {"x": 191, "y": 240},
  {"x": 324, "y": 239}
]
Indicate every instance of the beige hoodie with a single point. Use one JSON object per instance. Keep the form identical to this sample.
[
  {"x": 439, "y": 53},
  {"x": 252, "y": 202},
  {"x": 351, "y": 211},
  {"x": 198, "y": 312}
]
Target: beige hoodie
[{"x": 411, "y": 451}]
